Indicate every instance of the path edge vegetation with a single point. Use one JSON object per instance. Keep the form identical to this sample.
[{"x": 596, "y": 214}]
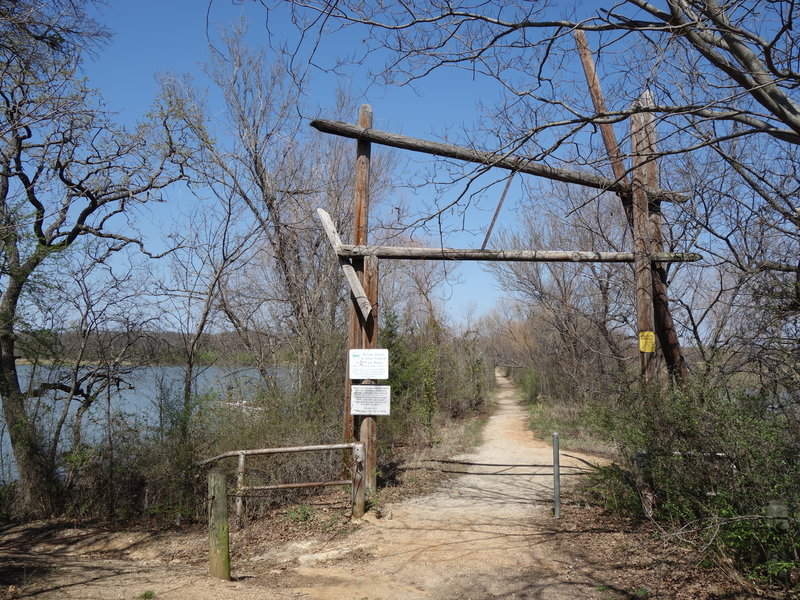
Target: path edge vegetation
[{"x": 700, "y": 467}]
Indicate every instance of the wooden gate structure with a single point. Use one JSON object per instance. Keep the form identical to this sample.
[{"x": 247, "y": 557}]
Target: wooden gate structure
[{"x": 639, "y": 194}]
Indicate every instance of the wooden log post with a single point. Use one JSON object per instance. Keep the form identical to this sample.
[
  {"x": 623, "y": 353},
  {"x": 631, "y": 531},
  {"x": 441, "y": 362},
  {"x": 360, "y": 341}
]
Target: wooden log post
[
  {"x": 358, "y": 489},
  {"x": 219, "y": 556},
  {"x": 662, "y": 316},
  {"x": 368, "y": 429},
  {"x": 361, "y": 219},
  {"x": 363, "y": 329},
  {"x": 606, "y": 129},
  {"x": 640, "y": 128}
]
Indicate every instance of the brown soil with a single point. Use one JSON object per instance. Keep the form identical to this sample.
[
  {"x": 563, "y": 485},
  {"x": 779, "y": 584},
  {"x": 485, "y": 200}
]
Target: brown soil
[{"x": 487, "y": 532}]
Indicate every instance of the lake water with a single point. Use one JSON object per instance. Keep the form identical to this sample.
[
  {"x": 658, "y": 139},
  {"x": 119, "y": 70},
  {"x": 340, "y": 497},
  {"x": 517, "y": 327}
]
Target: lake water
[{"x": 142, "y": 402}]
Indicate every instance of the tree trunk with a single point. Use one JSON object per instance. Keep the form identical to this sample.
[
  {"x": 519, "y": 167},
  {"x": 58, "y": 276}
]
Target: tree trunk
[
  {"x": 184, "y": 458},
  {"x": 38, "y": 484}
]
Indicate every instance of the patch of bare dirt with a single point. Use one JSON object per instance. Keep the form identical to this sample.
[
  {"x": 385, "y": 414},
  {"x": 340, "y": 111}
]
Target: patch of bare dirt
[{"x": 486, "y": 532}]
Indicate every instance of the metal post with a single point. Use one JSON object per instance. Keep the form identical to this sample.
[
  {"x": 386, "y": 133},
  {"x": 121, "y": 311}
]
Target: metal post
[
  {"x": 240, "y": 492},
  {"x": 556, "y": 478}
]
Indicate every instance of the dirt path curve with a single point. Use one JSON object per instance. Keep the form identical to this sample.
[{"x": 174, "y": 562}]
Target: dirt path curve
[{"x": 483, "y": 535}]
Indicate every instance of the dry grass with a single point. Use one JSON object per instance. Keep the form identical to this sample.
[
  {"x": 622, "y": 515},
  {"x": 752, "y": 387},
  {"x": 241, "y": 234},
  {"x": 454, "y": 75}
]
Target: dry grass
[{"x": 572, "y": 421}]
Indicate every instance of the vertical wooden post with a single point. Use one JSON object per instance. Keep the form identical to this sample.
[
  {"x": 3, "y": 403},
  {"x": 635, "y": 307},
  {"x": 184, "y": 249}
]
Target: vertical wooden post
[
  {"x": 363, "y": 334},
  {"x": 368, "y": 430},
  {"x": 662, "y": 317},
  {"x": 368, "y": 433},
  {"x": 363, "y": 156},
  {"x": 641, "y": 129},
  {"x": 664, "y": 324},
  {"x": 219, "y": 556},
  {"x": 240, "y": 492},
  {"x": 648, "y": 169},
  {"x": 359, "y": 483},
  {"x": 361, "y": 218}
]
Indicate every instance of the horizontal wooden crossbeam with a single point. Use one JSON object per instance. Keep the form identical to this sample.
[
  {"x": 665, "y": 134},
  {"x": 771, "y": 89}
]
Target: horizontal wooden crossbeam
[
  {"x": 345, "y": 252},
  {"x": 501, "y": 161},
  {"x": 400, "y": 252}
]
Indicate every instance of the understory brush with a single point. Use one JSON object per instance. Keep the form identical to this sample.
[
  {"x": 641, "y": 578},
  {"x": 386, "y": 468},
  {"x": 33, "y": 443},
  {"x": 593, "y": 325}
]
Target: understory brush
[
  {"x": 554, "y": 405},
  {"x": 148, "y": 469},
  {"x": 714, "y": 463},
  {"x": 138, "y": 476},
  {"x": 435, "y": 378},
  {"x": 715, "y": 467}
]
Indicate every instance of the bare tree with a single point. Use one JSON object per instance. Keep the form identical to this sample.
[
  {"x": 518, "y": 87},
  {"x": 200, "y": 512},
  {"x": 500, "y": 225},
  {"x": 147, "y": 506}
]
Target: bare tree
[
  {"x": 210, "y": 245},
  {"x": 67, "y": 173},
  {"x": 415, "y": 291},
  {"x": 724, "y": 80},
  {"x": 583, "y": 310},
  {"x": 289, "y": 302}
]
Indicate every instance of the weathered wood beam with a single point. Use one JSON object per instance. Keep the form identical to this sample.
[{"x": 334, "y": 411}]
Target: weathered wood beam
[
  {"x": 219, "y": 555},
  {"x": 641, "y": 132},
  {"x": 664, "y": 324},
  {"x": 501, "y": 161},
  {"x": 599, "y": 102},
  {"x": 399, "y": 252},
  {"x": 363, "y": 333},
  {"x": 284, "y": 450},
  {"x": 364, "y": 305}
]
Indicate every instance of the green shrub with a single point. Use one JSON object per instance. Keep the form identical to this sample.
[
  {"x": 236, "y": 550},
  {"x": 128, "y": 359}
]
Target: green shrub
[
  {"x": 302, "y": 514},
  {"x": 434, "y": 377},
  {"x": 715, "y": 460},
  {"x": 614, "y": 488}
]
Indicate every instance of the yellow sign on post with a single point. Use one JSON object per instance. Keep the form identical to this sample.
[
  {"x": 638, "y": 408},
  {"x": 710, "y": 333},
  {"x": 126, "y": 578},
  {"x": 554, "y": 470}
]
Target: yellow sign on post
[{"x": 647, "y": 341}]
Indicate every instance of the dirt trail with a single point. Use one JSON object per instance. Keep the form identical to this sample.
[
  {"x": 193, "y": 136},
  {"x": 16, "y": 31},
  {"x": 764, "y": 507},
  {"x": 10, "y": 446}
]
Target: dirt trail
[
  {"x": 475, "y": 538},
  {"x": 483, "y": 535}
]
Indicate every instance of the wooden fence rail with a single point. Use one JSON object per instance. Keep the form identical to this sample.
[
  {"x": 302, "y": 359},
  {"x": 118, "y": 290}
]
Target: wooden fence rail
[{"x": 357, "y": 480}]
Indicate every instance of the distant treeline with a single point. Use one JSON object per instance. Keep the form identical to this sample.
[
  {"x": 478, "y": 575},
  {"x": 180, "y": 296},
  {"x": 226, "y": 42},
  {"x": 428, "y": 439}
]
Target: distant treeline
[{"x": 139, "y": 347}]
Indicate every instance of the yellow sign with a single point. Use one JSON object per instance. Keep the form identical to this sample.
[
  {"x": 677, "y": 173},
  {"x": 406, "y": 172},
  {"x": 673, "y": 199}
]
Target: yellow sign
[{"x": 647, "y": 341}]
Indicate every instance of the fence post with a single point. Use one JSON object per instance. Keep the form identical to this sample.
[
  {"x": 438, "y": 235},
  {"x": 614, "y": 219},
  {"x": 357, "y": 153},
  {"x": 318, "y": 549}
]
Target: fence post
[
  {"x": 556, "y": 478},
  {"x": 359, "y": 480},
  {"x": 644, "y": 478},
  {"x": 240, "y": 491},
  {"x": 219, "y": 557}
]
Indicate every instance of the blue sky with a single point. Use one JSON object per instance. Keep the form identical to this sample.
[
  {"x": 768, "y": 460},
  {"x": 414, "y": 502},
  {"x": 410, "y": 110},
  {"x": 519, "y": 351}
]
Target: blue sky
[{"x": 172, "y": 36}]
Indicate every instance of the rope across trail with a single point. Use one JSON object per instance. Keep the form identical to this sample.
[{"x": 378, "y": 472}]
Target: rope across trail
[{"x": 475, "y": 538}]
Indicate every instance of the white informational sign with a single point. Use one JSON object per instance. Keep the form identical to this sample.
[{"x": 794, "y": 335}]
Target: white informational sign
[
  {"x": 370, "y": 399},
  {"x": 369, "y": 364}
]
